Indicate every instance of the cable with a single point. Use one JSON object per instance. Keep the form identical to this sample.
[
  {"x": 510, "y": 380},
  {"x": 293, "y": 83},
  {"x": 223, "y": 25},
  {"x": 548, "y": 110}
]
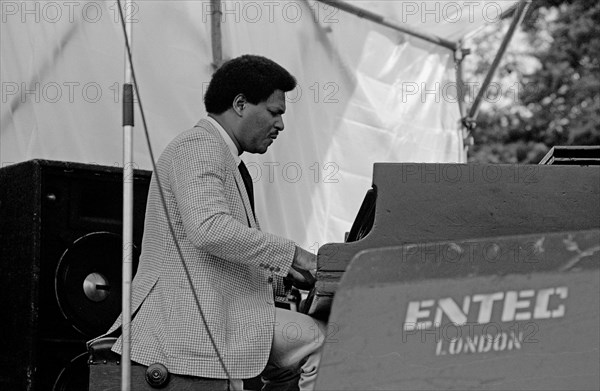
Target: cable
[{"x": 162, "y": 198}]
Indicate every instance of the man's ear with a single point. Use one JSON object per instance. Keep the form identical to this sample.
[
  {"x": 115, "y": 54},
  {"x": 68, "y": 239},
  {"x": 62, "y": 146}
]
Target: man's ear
[{"x": 239, "y": 104}]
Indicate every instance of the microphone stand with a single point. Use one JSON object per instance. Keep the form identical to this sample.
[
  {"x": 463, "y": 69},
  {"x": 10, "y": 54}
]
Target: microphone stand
[{"x": 128, "y": 172}]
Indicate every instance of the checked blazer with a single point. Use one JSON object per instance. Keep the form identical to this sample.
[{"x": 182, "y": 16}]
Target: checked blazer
[{"x": 235, "y": 267}]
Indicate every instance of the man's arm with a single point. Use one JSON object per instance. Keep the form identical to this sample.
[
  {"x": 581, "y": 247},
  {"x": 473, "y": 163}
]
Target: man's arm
[{"x": 198, "y": 182}]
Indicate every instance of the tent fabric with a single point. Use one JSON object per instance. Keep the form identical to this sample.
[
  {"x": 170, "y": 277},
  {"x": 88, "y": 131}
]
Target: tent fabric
[{"x": 365, "y": 94}]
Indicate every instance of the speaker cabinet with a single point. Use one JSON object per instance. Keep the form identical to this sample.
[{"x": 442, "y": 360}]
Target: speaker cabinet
[{"x": 60, "y": 256}]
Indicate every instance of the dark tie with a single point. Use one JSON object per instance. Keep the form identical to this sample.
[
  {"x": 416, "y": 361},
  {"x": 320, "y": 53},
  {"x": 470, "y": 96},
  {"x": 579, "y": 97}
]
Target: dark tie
[{"x": 247, "y": 182}]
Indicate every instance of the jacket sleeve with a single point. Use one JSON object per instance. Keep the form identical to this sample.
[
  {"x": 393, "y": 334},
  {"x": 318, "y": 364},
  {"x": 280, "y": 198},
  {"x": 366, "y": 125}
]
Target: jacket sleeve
[
  {"x": 197, "y": 179},
  {"x": 280, "y": 288}
]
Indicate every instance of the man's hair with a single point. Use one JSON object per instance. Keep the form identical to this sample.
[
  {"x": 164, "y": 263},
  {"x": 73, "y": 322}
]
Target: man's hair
[{"x": 255, "y": 77}]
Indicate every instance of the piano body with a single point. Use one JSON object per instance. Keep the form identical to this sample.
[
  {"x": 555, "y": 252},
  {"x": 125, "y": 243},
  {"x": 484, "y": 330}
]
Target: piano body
[{"x": 463, "y": 245}]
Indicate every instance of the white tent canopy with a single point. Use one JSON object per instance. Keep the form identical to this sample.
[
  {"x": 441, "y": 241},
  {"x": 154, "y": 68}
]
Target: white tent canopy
[{"x": 365, "y": 93}]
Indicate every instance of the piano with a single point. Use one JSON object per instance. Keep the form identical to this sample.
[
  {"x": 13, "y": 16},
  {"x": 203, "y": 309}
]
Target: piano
[{"x": 419, "y": 203}]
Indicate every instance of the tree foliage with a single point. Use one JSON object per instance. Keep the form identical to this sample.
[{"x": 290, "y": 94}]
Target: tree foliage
[{"x": 550, "y": 84}]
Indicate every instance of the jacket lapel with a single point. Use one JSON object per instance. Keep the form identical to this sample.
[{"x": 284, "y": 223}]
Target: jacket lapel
[{"x": 231, "y": 166}]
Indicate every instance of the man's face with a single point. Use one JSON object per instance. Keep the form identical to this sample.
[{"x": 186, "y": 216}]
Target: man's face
[{"x": 262, "y": 123}]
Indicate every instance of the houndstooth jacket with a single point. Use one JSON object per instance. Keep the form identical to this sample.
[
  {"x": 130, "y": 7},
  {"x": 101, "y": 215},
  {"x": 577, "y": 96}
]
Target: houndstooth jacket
[{"x": 235, "y": 267}]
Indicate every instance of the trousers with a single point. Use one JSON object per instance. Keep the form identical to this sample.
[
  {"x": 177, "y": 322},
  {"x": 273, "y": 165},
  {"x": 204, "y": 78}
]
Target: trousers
[{"x": 295, "y": 353}]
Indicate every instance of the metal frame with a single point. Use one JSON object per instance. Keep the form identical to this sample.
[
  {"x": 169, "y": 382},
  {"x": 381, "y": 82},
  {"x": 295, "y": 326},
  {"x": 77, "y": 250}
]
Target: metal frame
[
  {"x": 215, "y": 33},
  {"x": 362, "y": 13},
  {"x": 517, "y": 19},
  {"x": 468, "y": 120}
]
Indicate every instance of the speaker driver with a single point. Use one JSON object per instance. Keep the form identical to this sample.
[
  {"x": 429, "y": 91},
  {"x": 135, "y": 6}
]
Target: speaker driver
[{"x": 88, "y": 282}]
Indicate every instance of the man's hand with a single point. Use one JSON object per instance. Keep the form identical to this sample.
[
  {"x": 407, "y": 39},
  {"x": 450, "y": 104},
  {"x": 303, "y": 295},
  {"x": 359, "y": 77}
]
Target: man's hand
[{"x": 303, "y": 270}]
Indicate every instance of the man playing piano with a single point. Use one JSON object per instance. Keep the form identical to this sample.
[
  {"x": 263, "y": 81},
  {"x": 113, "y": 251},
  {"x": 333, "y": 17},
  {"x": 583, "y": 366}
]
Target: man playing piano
[{"x": 236, "y": 268}]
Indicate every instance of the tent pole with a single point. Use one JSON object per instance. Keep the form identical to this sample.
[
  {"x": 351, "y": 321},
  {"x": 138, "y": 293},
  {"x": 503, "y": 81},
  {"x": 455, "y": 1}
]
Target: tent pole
[
  {"x": 362, "y": 13},
  {"x": 215, "y": 32},
  {"x": 128, "y": 123},
  {"x": 517, "y": 20},
  {"x": 459, "y": 56}
]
